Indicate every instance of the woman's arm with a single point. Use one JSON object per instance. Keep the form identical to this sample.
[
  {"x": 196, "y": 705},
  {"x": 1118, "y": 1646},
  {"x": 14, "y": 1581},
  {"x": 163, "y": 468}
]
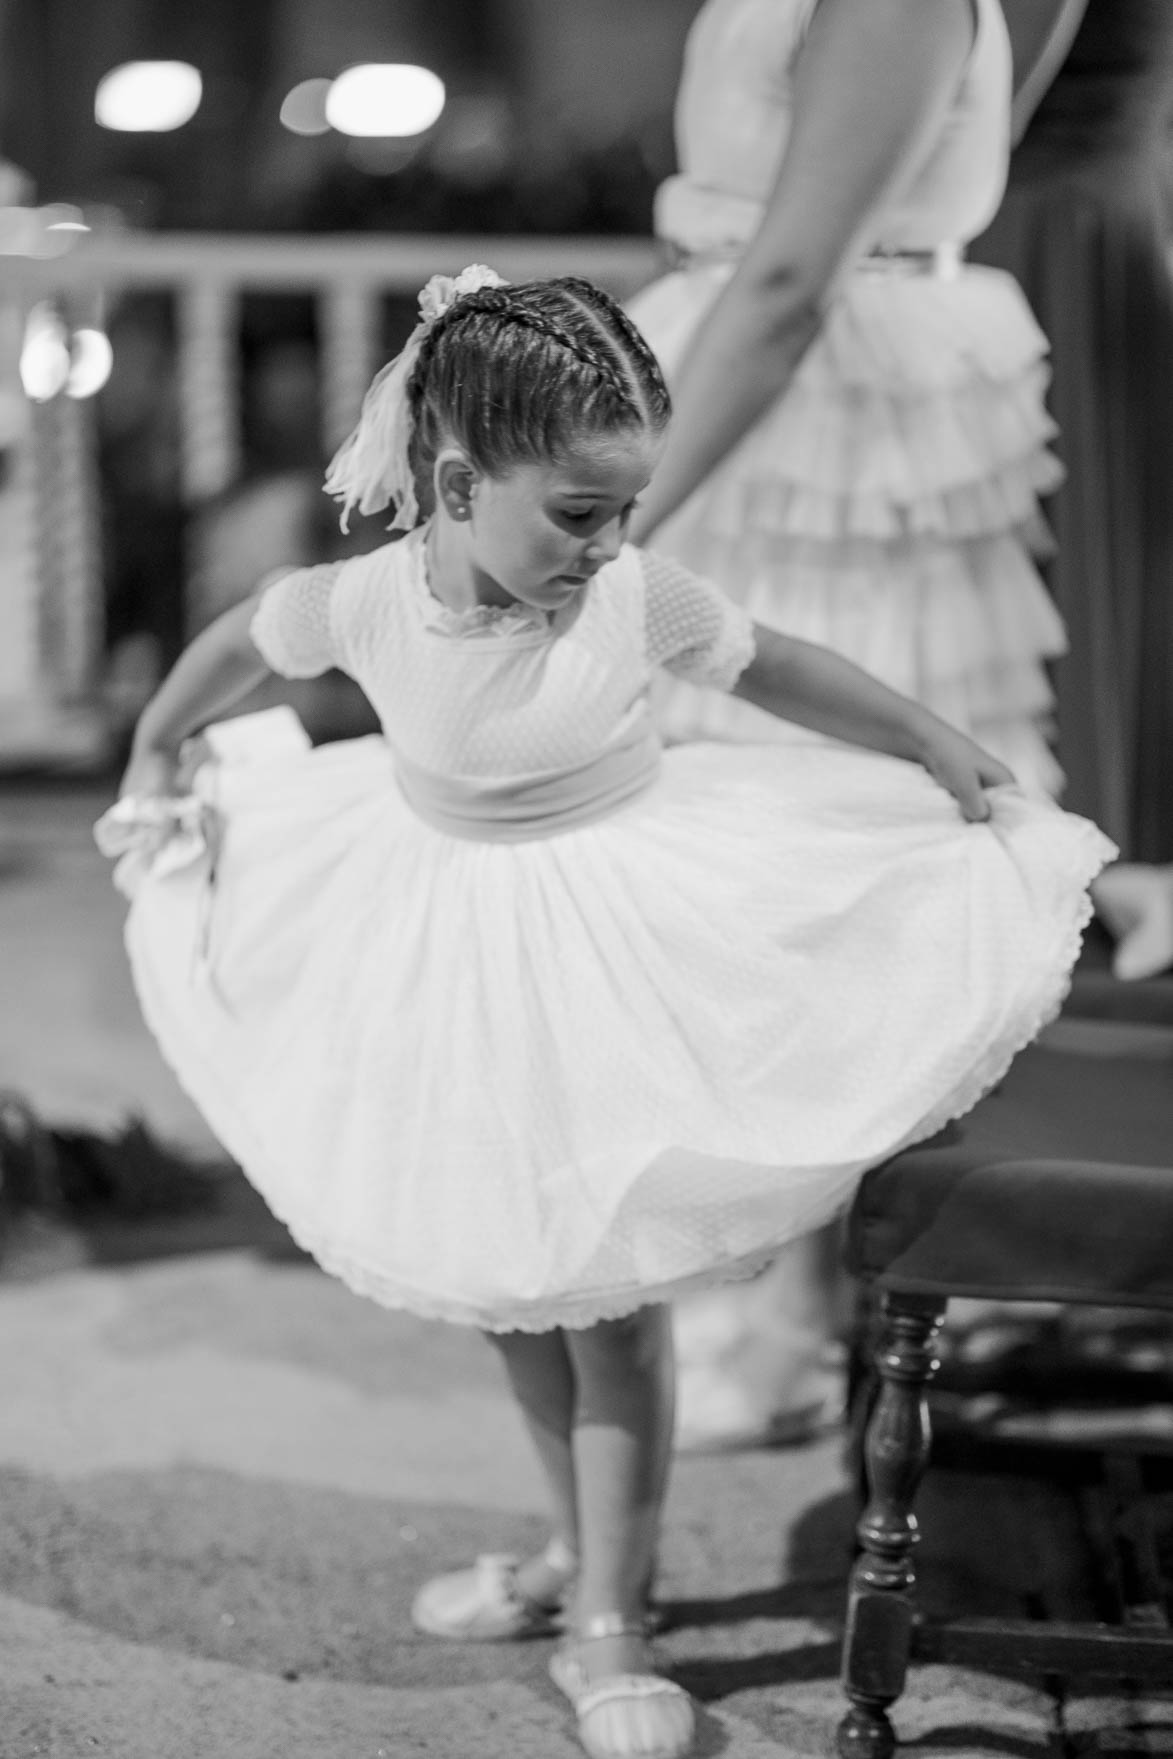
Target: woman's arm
[
  {"x": 1041, "y": 33},
  {"x": 218, "y": 668},
  {"x": 871, "y": 85},
  {"x": 818, "y": 689}
]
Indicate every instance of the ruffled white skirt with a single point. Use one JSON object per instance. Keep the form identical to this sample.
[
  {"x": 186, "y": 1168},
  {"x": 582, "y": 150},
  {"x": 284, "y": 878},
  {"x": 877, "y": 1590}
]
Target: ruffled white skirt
[
  {"x": 887, "y": 505},
  {"x": 537, "y": 1084}
]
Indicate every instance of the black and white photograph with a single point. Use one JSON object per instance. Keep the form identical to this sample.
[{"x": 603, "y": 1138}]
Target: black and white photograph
[{"x": 586, "y": 879}]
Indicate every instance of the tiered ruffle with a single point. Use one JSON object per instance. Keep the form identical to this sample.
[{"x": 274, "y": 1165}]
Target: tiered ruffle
[{"x": 888, "y": 504}]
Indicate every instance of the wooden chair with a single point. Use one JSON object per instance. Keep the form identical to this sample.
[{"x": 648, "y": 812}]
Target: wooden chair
[{"x": 1057, "y": 1187}]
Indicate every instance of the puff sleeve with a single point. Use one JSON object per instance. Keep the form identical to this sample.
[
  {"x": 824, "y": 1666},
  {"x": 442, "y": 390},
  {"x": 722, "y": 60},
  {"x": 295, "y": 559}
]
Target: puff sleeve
[
  {"x": 692, "y": 628},
  {"x": 292, "y": 627}
]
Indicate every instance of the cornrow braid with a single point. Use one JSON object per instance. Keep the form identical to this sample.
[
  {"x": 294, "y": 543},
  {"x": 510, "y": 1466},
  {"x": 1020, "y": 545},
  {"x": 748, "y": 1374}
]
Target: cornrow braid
[
  {"x": 520, "y": 374},
  {"x": 593, "y": 357},
  {"x": 639, "y": 360}
]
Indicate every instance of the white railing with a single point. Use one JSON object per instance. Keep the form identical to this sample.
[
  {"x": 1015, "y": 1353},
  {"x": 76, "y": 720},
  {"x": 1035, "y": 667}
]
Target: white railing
[{"x": 51, "y": 584}]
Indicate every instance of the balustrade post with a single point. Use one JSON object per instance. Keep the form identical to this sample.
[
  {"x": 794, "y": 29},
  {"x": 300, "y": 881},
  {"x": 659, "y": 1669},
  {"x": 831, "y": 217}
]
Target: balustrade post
[
  {"x": 349, "y": 337},
  {"x": 20, "y": 651},
  {"x": 71, "y": 622},
  {"x": 209, "y": 389}
]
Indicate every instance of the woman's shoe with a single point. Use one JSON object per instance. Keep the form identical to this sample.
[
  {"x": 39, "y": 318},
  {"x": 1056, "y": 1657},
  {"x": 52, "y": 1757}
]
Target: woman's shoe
[
  {"x": 623, "y": 1715},
  {"x": 485, "y": 1604}
]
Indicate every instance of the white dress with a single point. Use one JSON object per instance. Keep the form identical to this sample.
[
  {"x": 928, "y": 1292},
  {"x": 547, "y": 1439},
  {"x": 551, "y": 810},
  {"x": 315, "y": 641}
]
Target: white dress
[
  {"x": 521, "y": 1072},
  {"x": 886, "y": 505}
]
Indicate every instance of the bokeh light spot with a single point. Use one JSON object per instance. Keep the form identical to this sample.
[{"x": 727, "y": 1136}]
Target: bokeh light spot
[
  {"x": 148, "y": 97},
  {"x": 304, "y": 109},
  {"x": 385, "y": 99},
  {"x": 92, "y": 359}
]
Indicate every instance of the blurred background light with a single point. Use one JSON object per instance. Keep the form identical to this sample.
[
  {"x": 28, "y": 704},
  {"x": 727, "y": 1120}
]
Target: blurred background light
[
  {"x": 91, "y": 361},
  {"x": 384, "y": 99},
  {"x": 63, "y": 217},
  {"x": 44, "y": 358},
  {"x": 304, "y": 109},
  {"x": 40, "y": 232},
  {"x": 148, "y": 96}
]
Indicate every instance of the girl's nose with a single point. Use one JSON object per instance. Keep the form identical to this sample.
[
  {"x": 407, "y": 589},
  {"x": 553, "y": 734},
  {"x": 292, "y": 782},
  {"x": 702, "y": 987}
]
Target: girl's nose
[{"x": 607, "y": 542}]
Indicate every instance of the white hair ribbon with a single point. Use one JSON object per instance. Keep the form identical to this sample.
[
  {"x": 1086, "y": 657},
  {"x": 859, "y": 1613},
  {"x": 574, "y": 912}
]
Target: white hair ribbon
[{"x": 371, "y": 469}]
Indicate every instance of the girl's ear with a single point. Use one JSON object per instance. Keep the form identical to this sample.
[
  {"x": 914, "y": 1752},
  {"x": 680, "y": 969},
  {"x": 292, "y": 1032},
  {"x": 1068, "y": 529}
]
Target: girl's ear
[{"x": 454, "y": 479}]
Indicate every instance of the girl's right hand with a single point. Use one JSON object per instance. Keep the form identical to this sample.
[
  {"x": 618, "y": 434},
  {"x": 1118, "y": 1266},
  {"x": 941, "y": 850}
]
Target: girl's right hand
[
  {"x": 150, "y": 774},
  {"x": 962, "y": 767}
]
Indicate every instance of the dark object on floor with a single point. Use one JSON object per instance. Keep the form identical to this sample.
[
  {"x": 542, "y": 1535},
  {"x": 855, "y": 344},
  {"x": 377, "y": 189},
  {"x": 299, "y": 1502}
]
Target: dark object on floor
[
  {"x": 79, "y": 1174},
  {"x": 28, "y": 1168},
  {"x": 1058, "y": 1187},
  {"x": 130, "y": 1174}
]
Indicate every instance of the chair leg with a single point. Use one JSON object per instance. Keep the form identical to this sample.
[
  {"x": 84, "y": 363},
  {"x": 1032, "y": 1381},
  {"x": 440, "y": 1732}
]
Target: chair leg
[{"x": 881, "y": 1606}]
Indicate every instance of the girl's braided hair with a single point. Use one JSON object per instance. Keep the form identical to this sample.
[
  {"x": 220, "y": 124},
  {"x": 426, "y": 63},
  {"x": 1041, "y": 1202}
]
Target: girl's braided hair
[{"x": 521, "y": 374}]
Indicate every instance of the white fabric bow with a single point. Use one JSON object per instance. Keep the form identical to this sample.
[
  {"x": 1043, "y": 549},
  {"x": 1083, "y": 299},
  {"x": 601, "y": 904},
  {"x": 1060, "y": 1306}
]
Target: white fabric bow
[
  {"x": 370, "y": 469},
  {"x": 156, "y": 834}
]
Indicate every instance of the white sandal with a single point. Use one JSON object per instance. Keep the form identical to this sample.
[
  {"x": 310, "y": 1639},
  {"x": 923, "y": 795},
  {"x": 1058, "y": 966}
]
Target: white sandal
[
  {"x": 625, "y": 1715},
  {"x": 484, "y": 1604}
]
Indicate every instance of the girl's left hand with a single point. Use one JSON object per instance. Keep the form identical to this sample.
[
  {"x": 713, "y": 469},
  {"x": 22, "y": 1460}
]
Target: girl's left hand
[
  {"x": 151, "y": 774},
  {"x": 962, "y": 767}
]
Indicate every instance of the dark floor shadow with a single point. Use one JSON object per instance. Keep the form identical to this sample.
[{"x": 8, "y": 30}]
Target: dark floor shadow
[
  {"x": 969, "y": 1738},
  {"x": 711, "y": 1738},
  {"x": 814, "y": 1565},
  {"x": 795, "y": 1600},
  {"x": 813, "y": 1570},
  {"x": 713, "y": 1678}
]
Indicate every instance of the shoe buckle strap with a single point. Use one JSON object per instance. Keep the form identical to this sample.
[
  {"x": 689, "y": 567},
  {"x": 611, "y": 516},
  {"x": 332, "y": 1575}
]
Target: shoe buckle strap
[{"x": 626, "y": 1685}]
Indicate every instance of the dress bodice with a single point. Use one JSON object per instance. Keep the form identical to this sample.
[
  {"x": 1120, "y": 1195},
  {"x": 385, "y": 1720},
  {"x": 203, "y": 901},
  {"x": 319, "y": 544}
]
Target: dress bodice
[
  {"x": 510, "y": 695},
  {"x": 733, "y": 123}
]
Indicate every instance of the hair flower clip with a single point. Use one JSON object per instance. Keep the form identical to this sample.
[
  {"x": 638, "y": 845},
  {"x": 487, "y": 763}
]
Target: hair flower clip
[{"x": 443, "y": 291}]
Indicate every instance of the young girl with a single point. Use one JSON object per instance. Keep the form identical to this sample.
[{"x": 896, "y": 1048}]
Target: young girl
[{"x": 519, "y": 1022}]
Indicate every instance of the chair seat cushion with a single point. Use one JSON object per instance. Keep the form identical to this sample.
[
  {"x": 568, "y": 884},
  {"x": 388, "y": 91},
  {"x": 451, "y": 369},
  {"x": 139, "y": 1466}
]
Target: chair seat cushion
[{"x": 1057, "y": 1187}]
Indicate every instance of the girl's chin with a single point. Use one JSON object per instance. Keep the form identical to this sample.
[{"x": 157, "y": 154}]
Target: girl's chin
[{"x": 553, "y": 596}]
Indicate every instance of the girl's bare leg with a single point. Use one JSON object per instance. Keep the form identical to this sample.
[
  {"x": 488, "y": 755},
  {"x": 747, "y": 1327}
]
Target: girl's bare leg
[
  {"x": 621, "y": 1444},
  {"x": 542, "y": 1379}
]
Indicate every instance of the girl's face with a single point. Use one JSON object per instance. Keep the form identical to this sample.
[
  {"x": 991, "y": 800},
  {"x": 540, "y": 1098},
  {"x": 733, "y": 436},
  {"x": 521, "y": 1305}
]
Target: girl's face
[{"x": 538, "y": 534}]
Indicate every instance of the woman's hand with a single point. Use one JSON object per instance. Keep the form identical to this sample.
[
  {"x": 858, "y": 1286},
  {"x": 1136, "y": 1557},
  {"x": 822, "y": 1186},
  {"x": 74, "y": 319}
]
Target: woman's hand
[
  {"x": 151, "y": 774},
  {"x": 960, "y": 766}
]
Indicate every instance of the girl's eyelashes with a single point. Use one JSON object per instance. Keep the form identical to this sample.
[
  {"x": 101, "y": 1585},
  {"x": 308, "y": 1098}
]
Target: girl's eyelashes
[{"x": 583, "y": 516}]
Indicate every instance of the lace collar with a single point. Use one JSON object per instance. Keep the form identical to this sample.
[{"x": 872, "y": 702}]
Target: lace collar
[
  {"x": 473, "y": 621},
  {"x": 483, "y": 620}
]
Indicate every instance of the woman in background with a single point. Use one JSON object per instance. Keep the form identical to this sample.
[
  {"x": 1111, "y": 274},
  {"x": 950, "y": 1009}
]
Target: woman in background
[{"x": 859, "y": 443}]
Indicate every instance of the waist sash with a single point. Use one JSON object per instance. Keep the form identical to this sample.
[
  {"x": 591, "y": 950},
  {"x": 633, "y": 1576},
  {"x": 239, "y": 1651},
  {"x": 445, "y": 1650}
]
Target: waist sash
[{"x": 521, "y": 808}]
